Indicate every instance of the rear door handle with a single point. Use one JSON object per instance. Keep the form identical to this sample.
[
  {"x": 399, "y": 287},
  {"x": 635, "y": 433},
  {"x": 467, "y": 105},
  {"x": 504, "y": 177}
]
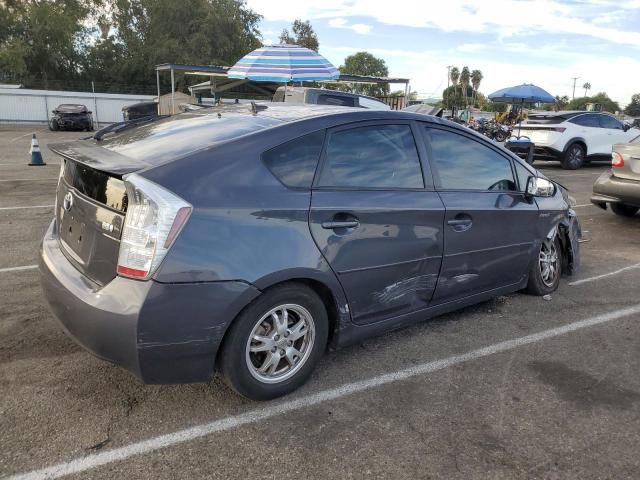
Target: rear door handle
[
  {"x": 461, "y": 222},
  {"x": 340, "y": 224},
  {"x": 457, "y": 222},
  {"x": 635, "y": 157}
]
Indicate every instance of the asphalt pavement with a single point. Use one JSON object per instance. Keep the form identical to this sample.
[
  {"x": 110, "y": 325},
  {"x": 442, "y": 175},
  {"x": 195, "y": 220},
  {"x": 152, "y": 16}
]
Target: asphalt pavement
[{"x": 517, "y": 387}]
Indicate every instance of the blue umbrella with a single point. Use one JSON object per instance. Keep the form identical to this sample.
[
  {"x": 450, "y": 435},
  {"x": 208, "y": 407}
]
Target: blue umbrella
[
  {"x": 525, "y": 93},
  {"x": 283, "y": 63}
]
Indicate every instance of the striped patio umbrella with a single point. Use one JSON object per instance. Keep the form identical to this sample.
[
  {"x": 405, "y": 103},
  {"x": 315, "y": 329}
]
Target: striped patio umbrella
[{"x": 283, "y": 63}]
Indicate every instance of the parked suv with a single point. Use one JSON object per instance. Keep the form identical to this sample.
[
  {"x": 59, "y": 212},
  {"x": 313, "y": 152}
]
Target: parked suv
[
  {"x": 322, "y": 96},
  {"x": 575, "y": 137},
  {"x": 250, "y": 240}
]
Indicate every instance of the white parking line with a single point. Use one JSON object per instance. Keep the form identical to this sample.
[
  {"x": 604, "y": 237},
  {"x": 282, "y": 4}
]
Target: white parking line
[
  {"x": 605, "y": 275},
  {"x": 583, "y": 205},
  {"x": 30, "y": 206},
  {"x": 18, "y": 269},
  {"x": 264, "y": 413}
]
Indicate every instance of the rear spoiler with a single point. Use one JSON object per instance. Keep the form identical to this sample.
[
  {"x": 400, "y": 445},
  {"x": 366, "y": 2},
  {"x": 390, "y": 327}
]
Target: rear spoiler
[{"x": 98, "y": 158}]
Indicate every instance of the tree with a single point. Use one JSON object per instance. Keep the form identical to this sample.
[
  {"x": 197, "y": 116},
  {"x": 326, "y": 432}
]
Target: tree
[
  {"x": 476, "y": 78},
  {"x": 560, "y": 103},
  {"x": 586, "y": 86},
  {"x": 303, "y": 34},
  {"x": 465, "y": 78},
  {"x": 38, "y": 39},
  {"x": 601, "y": 99},
  {"x": 363, "y": 63},
  {"x": 633, "y": 109},
  {"x": 121, "y": 41}
]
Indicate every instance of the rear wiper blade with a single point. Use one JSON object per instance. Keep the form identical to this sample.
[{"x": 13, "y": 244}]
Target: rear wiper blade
[{"x": 120, "y": 126}]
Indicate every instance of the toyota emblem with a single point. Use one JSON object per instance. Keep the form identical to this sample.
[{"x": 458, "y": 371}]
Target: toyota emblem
[{"x": 67, "y": 203}]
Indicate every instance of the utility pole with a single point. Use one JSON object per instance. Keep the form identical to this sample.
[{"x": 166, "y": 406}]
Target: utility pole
[{"x": 573, "y": 95}]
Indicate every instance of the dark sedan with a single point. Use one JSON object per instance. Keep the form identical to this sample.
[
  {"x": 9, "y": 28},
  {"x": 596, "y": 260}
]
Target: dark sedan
[
  {"x": 248, "y": 240},
  {"x": 71, "y": 116}
]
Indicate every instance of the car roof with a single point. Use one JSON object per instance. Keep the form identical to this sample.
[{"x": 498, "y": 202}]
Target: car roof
[{"x": 297, "y": 112}]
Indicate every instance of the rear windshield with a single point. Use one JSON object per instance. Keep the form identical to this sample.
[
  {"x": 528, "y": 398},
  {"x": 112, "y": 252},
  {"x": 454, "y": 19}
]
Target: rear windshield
[
  {"x": 97, "y": 185},
  {"x": 180, "y": 135}
]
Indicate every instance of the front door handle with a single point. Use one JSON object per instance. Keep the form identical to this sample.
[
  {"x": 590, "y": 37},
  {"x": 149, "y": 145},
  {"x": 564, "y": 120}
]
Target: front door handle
[{"x": 340, "y": 224}]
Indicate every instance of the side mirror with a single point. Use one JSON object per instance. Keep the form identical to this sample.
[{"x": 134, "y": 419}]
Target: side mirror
[
  {"x": 626, "y": 127},
  {"x": 540, "y": 187},
  {"x": 54, "y": 111}
]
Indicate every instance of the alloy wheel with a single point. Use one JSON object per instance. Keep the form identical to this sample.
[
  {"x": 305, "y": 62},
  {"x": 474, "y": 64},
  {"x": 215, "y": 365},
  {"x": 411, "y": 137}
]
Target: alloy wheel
[
  {"x": 549, "y": 263},
  {"x": 280, "y": 343}
]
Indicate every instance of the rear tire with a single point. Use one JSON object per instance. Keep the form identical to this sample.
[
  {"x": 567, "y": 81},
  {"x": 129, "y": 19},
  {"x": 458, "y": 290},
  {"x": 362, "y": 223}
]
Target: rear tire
[
  {"x": 544, "y": 274},
  {"x": 624, "y": 210},
  {"x": 574, "y": 157},
  {"x": 267, "y": 353}
]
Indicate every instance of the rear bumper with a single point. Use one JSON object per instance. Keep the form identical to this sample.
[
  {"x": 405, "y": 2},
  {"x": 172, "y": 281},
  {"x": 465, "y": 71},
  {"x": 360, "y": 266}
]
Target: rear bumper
[
  {"x": 162, "y": 333},
  {"x": 610, "y": 189}
]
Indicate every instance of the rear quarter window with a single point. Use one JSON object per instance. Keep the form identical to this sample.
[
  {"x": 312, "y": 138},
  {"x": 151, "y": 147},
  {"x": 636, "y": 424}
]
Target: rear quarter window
[{"x": 294, "y": 163}]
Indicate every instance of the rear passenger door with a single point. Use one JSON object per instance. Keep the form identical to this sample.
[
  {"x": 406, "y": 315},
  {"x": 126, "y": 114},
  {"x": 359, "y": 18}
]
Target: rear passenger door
[
  {"x": 489, "y": 224},
  {"x": 376, "y": 221},
  {"x": 590, "y": 130}
]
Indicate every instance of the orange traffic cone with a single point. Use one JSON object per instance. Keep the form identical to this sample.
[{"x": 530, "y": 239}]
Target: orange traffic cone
[{"x": 36, "y": 154}]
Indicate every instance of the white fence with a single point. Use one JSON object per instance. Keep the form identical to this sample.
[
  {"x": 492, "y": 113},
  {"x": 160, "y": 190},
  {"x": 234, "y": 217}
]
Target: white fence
[{"x": 19, "y": 105}]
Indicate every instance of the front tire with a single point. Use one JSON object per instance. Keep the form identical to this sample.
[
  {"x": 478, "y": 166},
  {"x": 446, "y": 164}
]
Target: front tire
[
  {"x": 624, "y": 210},
  {"x": 574, "y": 157},
  {"x": 273, "y": 346},
  {"x": 544, "y": 274}
]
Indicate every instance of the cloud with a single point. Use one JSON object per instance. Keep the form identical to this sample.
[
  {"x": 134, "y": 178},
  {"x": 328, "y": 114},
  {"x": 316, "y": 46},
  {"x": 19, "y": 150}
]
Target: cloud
[
  {"x": 504, "y": 17},
  {"x": 360, "y": 28},
  {"x": 471, "y": 47}
]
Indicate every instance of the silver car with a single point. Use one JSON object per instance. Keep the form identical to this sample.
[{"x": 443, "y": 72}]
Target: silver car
[{"x": 620, "y": 187}]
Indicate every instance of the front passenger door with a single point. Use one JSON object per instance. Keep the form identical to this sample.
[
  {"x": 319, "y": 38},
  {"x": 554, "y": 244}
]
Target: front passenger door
[{"x": 489, "y": 224}]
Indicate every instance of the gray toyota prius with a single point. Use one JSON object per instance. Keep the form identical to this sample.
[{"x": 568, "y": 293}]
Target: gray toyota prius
[{"x": 248, "y": 240}]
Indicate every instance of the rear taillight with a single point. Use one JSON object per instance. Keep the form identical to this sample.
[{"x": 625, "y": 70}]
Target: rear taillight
[
  {"x": 617, "y": 160},
  {"x": 154, "y": 219}
]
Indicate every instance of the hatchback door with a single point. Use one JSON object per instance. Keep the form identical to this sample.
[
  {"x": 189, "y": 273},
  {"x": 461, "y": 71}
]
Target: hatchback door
[
  {"x": 373, "y": 219},
  {"x": 489, "y": 224}
]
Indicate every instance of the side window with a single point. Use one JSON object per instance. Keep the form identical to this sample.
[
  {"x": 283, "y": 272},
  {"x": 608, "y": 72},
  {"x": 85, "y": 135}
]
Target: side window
[
  {"x": 465, "y": 164},
  {"x": 377, "y": 156},
  {"x": 609, "y": 122},
  {"x": 295, "y": 162},
  {"x": 523, "y": 174},
  {"x": 586, "y": 121},
  {"x": 336, "y": 100}
]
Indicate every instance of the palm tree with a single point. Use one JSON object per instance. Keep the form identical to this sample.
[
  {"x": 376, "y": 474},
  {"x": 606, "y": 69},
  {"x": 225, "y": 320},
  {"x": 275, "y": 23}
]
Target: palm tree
[
  {"x": 454, "y": 74},
  {"x": 586, "y": 86},
  {"x": 476, "y": 78},
  {"x": 465, "y": 78}
]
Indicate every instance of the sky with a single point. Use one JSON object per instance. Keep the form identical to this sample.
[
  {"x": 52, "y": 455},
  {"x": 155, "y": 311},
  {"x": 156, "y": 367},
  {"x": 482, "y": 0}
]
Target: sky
[{"x": 544, "y": 42}]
